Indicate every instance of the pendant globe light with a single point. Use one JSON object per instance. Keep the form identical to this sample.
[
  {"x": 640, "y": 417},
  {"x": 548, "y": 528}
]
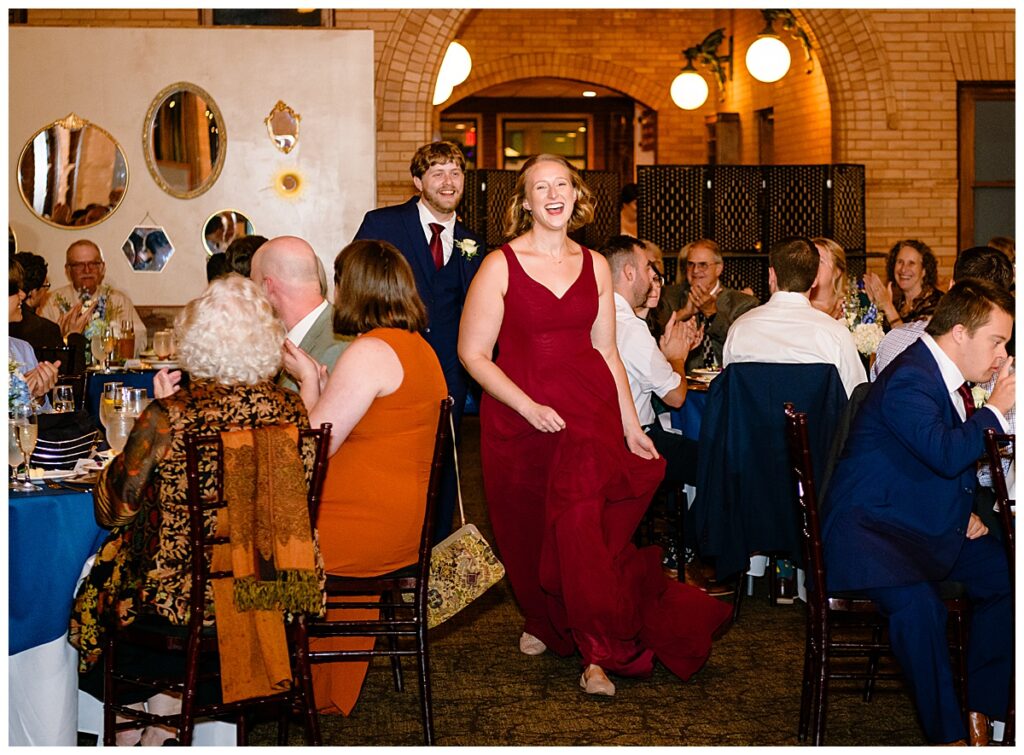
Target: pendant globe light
[
  {"x": 455, "y": 68},
  {"x": 768, "y": 58},
  {"x": 689, "y": 90}
]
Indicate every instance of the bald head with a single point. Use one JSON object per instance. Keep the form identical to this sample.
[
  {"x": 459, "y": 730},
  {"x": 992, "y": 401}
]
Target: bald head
[{"x": 286, "y": 269}]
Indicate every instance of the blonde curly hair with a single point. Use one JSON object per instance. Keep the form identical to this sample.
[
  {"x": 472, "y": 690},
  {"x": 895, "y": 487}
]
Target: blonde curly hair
[{"x": 230, "y": 334}]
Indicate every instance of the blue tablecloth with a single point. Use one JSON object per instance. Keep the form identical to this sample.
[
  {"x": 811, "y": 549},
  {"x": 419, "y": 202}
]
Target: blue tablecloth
[
  {"x": 687, "y": 417},
  {"x": 95, "y": 381},
  {"x": 50, "y": 536}
]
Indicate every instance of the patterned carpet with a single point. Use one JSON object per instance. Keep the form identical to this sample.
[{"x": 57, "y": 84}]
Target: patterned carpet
[{"x": 486, "y": 692}]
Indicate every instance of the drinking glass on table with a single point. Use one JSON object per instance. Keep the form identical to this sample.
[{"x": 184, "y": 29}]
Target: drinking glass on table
[
  {"x": 63, "y": 399},
  {"x": 135, "y": 401},
  {"x": 163, "y": 344},
  {"x": 26, "y": 431},
  {"x": 126, "y": 341},
  {"x": 111, "y": 396},
  {"x": 119, "y": 428}
]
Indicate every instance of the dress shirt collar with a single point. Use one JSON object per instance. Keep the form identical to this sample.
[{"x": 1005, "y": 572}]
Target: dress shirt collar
[
  {"x": 951, "y": 375},
  {"x": 622, "y": 307},
  {"x": 427, "y": 217},
  {"x": 790, "y": 299},
  {"x": 297, "y": 333}
]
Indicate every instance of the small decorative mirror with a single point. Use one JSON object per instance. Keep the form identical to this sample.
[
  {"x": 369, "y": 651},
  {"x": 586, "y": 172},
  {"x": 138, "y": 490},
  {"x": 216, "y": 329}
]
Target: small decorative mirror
[
  {"x": 72, "y": 173},
  {"x": 184, "y": 140},
  {"x": 224, "y": 227},
  {"x": 283, "y": 127},
  {"x": 148, "y": 248}
]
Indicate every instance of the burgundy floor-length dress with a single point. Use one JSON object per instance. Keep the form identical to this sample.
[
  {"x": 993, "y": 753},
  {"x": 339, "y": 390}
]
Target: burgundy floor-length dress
[{"x": 564, "y": 506}]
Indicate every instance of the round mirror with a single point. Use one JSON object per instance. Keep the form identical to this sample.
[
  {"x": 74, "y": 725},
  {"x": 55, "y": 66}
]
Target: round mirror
[
  {"x": 224, "y": 227},
  {"x": 184, "y": 140},
  {"x": 72, "y": 173},
  {"x": 283, "y": 127}
]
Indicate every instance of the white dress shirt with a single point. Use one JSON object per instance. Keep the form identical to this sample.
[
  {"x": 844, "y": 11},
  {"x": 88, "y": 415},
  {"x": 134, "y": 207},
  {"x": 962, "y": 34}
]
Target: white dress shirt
[
  {"x": 953, "y": 379},
  {"x": 301, "y": 328},
  {"x": 647, "y": 368},
  {"x": 788, "y": 330},
  {"x": 447, "y": 235}
]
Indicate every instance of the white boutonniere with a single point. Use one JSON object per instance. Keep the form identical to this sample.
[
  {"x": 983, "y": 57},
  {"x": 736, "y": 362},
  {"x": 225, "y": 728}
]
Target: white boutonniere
[
  {"x": 980, "y": 396},
  {"x": 468, "y": 247}
]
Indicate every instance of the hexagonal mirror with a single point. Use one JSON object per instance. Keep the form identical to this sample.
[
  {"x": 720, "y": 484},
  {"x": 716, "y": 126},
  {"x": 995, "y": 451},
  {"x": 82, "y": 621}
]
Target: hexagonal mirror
[
  {"x": 283, "y": 127},
  {"x": 148, "y": 249},
  {"x": 224, "y": 227}
]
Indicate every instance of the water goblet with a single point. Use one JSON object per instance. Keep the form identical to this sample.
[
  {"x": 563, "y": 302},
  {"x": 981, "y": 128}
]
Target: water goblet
[
  {"x": 111, "y": 396},
  {"x": 120, "y": 427}
]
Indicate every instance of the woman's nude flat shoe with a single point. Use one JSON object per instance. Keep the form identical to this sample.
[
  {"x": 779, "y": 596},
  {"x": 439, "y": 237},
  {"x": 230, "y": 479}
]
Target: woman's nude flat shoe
[
  {"x": 530, "y": 645},
  {"x": 596, "y": 682}
]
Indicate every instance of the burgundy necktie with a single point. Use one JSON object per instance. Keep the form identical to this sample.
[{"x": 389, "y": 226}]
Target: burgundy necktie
[
  {"x": 965, "y": 393},
  {"x": 436, "y": 249}
]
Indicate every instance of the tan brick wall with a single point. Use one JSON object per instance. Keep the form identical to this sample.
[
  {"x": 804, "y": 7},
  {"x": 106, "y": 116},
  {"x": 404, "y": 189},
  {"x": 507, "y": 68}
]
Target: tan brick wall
[{"x": 882, "y": 91}]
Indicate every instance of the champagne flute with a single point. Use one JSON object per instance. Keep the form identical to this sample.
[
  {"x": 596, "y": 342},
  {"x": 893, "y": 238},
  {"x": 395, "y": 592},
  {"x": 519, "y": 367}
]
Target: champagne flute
[
  {"x": 109, "y": 346},
  {"x": 27, "y": 431},
  {"x": 14, "y": 454}
]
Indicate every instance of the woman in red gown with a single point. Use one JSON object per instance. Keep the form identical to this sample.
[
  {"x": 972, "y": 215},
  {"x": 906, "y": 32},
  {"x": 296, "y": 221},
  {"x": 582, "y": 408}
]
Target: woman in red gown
[{"x": 564, "y": 492}]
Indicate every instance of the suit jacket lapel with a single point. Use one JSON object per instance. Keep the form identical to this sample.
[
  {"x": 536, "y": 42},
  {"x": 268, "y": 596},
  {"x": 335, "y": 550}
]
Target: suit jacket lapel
[{"x": 419, "y": 249}]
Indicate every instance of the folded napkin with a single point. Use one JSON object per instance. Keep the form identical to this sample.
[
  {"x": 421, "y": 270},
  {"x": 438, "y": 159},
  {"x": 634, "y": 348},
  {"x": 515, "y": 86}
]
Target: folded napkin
[{"x": 271, "y": 555}]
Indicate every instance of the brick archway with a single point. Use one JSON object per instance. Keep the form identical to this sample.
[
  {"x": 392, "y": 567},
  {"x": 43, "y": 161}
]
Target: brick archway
[
  {"x": 857, "y": 73},
  {"x": 575, "y": 67}
]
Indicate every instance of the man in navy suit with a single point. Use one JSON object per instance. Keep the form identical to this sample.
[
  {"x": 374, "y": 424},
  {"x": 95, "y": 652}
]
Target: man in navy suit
[
  {"x": 898, "y": 518},
  {"x": 444, "y": 256}
]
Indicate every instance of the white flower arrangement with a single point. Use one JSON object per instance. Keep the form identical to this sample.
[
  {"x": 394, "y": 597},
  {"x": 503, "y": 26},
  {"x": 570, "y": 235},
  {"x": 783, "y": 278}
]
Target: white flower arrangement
[
  {"x": 867, "y": 336},
  {"x": 468, "y": 247}
]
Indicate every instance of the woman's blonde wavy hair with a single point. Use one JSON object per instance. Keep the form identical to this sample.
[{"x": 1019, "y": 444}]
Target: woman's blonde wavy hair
[
  {"x": 838, "y": 262},
  {"x": 230, "y": 334},
  {"x": 518, "y": 220}
]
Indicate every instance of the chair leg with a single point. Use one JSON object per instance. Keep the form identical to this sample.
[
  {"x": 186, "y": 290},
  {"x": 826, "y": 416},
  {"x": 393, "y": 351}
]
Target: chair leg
[
  {"x": 820, "y": 692},
  {"x": 873, "y": 658},
  {"x": 284, "y": 715},
  {"x": 396, "y": 661},
  {"x": 805, "y": 689},
  {"x": 737, "y": 598},
  {"x": 773, "y": 582},
  {"x": 426, "y": 704},
  {"x": 109, "y": 719},
  {"x": 681, "y": 509},
  {"x": 304, "y": 682}
]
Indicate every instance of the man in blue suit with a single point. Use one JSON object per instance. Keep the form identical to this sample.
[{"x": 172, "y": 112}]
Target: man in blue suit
[
  {"x": 898, "y": 518},
  {"x": 444, "y": 256}
]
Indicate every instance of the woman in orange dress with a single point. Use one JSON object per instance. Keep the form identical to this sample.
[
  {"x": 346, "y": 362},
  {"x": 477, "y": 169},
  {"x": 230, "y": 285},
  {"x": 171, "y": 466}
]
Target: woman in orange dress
[{"x": 382, "y": 399}]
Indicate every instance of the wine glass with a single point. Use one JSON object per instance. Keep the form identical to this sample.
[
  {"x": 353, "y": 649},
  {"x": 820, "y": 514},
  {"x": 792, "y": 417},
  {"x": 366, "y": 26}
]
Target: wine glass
[
  {"x": 14, "y": 454},
  {"x": 26, "y": 429},
  {"x": 162, "y": 344},
  {"x": 96, "y": 346}
]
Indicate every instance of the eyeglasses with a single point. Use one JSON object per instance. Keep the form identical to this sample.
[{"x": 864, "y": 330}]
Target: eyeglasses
[
  {"x": 699, "y": 265},
  {"x": 658, "y": 277},
  {"x": 86, "y": 265}
]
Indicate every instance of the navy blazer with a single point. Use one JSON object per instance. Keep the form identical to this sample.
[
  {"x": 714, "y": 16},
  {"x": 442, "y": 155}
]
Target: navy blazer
[
  {"x": 400, "y": 226},
  {"x": 898, "y": 504},
  {"x": 746, "y": 498}
]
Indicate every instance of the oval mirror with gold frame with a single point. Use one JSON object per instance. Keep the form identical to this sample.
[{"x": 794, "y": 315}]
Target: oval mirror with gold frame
[
  {"x": 184, "y": 140},
  {"x": 223, "y": 227},
  {"x": 72, "y": 173},
  {"x": 283, "y": 127}
]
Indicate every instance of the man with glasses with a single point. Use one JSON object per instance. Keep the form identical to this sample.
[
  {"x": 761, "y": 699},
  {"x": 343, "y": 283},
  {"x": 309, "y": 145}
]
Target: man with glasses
[
  {"x": 74, "y": 305},
  {"x": 714, "y": 306}
]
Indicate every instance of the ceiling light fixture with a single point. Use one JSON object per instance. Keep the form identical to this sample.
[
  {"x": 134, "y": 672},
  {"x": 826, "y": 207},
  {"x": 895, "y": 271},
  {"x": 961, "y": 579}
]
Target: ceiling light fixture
[
  {"x": 455, "y": 68},
  {"x": 689, "y": 89},
  {"x": 589, "y": 93}
]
